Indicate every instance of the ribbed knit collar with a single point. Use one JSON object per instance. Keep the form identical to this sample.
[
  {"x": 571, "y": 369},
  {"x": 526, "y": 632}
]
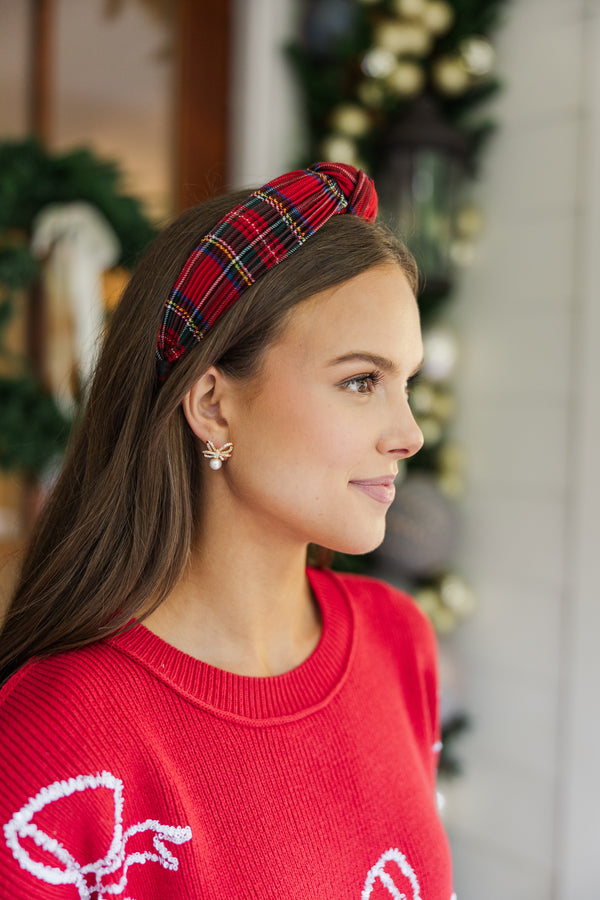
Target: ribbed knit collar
[{"x": 278, "y": 698}]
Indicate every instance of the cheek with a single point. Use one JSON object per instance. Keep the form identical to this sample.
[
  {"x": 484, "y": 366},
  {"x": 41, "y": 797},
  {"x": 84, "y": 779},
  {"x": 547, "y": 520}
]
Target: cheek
[
  {"x": 293, "y": 456},
  {"x": 296, "y": 428},
  {"x": 292, "y": 421}
]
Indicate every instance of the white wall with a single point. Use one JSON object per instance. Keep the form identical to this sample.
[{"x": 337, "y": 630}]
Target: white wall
[
  {"x": 266, "y": 131},
  {"x": 579, "y": 822},
  {"x": 524, "y": 820}
]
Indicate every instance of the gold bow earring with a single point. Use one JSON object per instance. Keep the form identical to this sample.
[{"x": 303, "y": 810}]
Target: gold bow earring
[{"x": 217, "y": 455}]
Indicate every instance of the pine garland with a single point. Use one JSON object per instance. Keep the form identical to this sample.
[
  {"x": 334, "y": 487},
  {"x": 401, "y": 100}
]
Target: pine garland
[{"x": 342, "y": 69}]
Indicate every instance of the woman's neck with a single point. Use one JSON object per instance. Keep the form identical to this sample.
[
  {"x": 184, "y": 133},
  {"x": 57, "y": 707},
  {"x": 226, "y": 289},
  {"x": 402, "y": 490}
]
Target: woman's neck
[{"x": 245, "y": 609}]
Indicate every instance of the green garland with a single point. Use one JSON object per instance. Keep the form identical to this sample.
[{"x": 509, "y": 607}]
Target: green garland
[
  {"x": 365, "y": 68},
  {"x": 33, "y": 430}
]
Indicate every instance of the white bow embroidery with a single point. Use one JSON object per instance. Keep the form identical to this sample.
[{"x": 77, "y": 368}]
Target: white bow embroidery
[{"x": 21, "y": 826}]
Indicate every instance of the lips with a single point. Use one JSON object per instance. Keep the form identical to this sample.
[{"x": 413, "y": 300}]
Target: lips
[{"x": 381, "y": 489}]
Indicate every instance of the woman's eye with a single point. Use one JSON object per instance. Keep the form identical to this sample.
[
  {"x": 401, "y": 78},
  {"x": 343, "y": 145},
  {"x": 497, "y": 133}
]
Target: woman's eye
[
  {"x": 363, "y": 384},
  {"x": 359, "y": 385}
]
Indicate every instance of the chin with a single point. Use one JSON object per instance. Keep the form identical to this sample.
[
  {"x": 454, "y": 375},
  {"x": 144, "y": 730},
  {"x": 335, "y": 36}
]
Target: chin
[{"x": 358, "y": 546}]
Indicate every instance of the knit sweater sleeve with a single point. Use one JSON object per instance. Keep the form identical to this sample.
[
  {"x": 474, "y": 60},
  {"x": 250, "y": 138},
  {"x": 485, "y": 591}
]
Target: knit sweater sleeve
[
  {"x": 405, "y": 644},
  {"x": 61, "y": 806}
]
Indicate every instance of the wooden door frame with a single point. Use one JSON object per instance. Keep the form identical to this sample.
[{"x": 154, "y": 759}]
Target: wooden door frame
[{"x": 202, "y": 87}]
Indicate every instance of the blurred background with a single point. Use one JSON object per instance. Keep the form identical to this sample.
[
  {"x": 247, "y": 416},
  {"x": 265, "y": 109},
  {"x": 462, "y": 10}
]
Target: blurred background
[{"x": 480, "y": 122}]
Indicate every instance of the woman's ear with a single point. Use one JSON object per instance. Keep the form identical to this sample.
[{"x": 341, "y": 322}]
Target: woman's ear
[{"x": 203, "y": 407}]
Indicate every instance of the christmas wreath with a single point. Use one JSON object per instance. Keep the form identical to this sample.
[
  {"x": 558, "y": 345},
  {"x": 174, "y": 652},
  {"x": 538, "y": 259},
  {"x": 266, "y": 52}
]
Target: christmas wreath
[{"x": 33, "y": 429}]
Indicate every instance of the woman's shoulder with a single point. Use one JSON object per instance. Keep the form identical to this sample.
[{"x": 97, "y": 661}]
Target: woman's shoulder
[
  {"x": 382, "y": 602},
  {"x": 55, "y": 701},
  {"x": 58, "y": 678}
]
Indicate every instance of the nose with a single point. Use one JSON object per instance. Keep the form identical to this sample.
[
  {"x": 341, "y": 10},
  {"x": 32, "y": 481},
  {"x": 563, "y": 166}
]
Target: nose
[{"x": 404, "y": 439}]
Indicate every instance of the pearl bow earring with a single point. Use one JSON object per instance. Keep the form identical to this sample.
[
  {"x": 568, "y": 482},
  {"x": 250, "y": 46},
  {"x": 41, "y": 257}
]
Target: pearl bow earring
[{"x": 217, "y": 455}]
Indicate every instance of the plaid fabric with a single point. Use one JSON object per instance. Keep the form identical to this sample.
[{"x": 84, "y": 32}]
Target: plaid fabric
[{"x": 252, "y": 238}]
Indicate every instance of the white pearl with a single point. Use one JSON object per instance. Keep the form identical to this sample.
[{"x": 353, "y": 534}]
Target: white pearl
[{"x": 215, "y": 464}]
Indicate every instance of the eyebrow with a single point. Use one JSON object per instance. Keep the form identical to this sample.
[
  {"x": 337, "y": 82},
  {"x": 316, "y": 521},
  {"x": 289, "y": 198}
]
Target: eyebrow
[{"x": 380, "y": 362}]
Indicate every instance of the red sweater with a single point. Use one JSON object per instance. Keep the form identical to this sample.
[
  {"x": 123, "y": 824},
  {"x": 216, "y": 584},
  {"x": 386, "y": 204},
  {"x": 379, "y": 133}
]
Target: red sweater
[{"x": 133, "y": 771}]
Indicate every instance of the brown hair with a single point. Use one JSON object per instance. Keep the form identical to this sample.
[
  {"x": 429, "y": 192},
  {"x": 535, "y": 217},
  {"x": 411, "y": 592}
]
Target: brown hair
[{"x": 116, "y": 532}]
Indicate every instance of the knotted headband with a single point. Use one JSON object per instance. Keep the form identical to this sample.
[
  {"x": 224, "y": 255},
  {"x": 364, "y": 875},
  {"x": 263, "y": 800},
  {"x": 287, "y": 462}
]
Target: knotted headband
[{"x": 253, "y": 237}]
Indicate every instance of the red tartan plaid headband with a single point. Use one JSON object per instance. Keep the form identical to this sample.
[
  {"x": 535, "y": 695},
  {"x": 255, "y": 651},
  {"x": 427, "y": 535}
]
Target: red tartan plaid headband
[{"x": 252, "y": 238}]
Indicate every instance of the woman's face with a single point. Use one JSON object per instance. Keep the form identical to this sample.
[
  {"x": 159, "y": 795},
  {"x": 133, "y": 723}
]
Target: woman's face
[{"x": 318, "y": 433}]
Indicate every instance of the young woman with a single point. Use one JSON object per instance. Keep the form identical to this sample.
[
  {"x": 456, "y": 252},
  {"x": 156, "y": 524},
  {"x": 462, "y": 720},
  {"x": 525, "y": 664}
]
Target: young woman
[{"x": 192, "y": 713}]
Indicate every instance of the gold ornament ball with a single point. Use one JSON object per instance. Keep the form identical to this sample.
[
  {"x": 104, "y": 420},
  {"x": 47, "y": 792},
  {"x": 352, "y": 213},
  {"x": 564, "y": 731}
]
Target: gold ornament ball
[
  {"x": 438, "y": 16},
  {"x": 417, "y": 40},
  {"x": 389, "y": 35},
  {"x": 406, "y": 80},
  {"x": 411, "y": 9},
  {"x": 450, "y": 75},
  {"x": 351, "y": 120},
  {"x": 441, "y": 353},
  {"x": 441, "y": 617},
  {"x": 457, "y": 596},
  {"x": 478, "y": 56},
  {"x": 468, "y": 221},
  {"x": 428, "y": 599},
  {"x": 377, "y": 62},
  {"x": 444, "y": 620},
  {"x": 339, "y": 149},
  {"x": 371, "y": 93},
  {"x": 402, "y": 37}
]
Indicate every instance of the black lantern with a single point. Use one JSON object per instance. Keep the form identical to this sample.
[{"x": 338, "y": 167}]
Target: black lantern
[{"x": 423, "y": 165}]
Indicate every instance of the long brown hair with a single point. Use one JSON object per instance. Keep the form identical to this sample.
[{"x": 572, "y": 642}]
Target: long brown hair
[{"x": 115, "y": 535}]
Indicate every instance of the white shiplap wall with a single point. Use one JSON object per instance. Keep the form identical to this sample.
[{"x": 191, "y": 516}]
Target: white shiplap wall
[
  {"x": 579, "y": 823},
  {"x": 521, "y": 820}
]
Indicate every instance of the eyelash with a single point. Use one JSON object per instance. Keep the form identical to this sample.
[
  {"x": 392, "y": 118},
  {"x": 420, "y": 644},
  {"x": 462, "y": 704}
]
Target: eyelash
[{"x": 372, "y": 378}]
